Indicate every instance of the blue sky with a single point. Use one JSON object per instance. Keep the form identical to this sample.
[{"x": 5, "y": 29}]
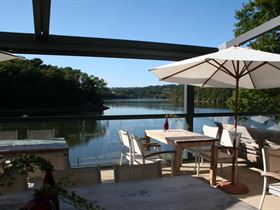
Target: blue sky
[{"x": 192, "y": 22}]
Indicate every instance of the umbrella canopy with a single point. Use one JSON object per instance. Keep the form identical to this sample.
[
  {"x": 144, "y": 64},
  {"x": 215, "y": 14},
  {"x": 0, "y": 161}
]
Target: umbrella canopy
[
  {"x": 250, "y": 68},
  {"x": 234, "y": 67},
  {"x": 4, "y": 56}
]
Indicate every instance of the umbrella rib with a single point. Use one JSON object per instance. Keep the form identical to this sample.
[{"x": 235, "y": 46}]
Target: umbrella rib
[
  {"x": 219, "y": 68},
  {"x": 250, "y": 76},
  {"x": 224, "y": 69},
  {"x": 255, "y": 68},
  {"x": 245, "y": 67},
  {"x": 171, "y": 75},
  {"x": 274, "y": 66},
  {"x": 234, "y": 67}
]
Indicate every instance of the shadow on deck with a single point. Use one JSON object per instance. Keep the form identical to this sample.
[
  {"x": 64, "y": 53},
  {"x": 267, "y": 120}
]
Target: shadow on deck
[{"x": 247, "y": 175}]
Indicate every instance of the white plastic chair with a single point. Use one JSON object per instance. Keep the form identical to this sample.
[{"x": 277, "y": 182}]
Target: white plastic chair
[{"x": 271, "y": 168}]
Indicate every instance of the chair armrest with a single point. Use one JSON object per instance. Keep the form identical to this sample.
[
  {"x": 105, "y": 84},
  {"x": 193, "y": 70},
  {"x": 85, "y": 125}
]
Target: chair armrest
[
  {"x": 148, "y": 145},
  {"x": 271, "y": 174},
  {"x": 224, "y": 147}
]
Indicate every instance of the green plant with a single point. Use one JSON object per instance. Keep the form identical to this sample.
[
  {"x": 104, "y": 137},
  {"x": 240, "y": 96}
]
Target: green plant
[
  {"x": 25, "y": 164},
  {"x": 171, "y": 116}
]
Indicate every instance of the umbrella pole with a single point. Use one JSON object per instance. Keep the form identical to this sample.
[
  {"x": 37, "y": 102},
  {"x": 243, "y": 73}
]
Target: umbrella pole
[
  {"x": 232, "y": 187},
  {"x": 235, "y": 131}
]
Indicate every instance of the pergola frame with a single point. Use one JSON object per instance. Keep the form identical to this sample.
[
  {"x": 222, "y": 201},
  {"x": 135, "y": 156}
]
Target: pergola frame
[
  {"x": 255, "y": 32},
  {"x": 41, "y": 14},
  {"x": 26, "y": 43}
]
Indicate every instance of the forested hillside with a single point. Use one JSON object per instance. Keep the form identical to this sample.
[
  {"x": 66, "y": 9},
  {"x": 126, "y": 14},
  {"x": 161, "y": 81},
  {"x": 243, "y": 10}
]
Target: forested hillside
[
  {"x": 156, "y": 92},
  {"x": 202, "y": 95},
  {"x": 174, "y": 93},
  {"x": 30, "y": 84}
]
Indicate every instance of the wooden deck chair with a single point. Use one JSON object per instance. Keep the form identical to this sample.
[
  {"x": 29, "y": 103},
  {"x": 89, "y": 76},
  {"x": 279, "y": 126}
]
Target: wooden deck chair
[{"x": 137, "y": 172}]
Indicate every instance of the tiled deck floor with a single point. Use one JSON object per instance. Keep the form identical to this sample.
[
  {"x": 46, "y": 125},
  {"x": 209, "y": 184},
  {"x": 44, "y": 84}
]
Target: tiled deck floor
[{"x": 246, "y": 175}]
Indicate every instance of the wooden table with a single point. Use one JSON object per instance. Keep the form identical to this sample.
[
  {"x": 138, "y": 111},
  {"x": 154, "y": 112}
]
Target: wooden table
[
  {"x": 176, "y": 193},
  {"x": 183, "y": 139}
]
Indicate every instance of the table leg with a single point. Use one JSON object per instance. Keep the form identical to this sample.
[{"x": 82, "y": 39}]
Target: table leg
[
  {"x": 213, "y": 164},
  {"x": 172, "y": 164},
  {"x": 177, "y": 160}
]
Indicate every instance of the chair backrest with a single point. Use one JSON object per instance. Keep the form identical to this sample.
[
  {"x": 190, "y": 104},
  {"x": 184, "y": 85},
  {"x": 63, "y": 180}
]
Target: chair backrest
[
  {"x": 124, "y": 136},
  {"x": 125, "y": 139},
  {"x": 271, "y": 159},
  {"x": 9, "y": 135},
  {"x": 210, "y": 131},
  {"x": 40, "y": 134},
  {"x": 137, "y": 145},
  {"x": 228, "y": 137},
  {"x": 137, "y": 172},
  {"x": 80, "y": 176}
]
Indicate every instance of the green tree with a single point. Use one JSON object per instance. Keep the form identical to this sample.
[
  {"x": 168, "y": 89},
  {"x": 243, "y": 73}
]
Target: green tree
[
  {"x": 156, "y": 92},
  {"x": 30, "y": 84},
  {"x": 253, "y": 14}
]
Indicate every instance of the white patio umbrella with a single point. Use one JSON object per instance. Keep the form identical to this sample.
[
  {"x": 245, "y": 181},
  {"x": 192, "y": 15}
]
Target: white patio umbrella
[
  {"x": 4, "y": 56},
  {"x": 234, "y": 67}
]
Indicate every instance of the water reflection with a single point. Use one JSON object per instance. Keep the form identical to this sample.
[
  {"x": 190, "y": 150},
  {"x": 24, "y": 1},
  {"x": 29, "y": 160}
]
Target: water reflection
[
  {"x": 156, "y": 106},
  {"x": 141, "y": 106},
  {"x": 97, "y": 142}
]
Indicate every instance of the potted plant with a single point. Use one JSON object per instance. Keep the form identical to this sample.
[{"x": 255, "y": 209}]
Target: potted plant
[{"x": 46, "y": 197}]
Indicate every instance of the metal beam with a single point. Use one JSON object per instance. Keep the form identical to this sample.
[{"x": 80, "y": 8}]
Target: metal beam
[
  {"x": 243, "y": 38},
  {"x": 41, "y": 13},
  {"x": 98, "y": 47},
  {"x": 189, "y": 105}
]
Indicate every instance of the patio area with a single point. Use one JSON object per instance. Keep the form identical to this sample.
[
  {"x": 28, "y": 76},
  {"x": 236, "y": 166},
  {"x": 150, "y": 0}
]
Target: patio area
[{"x": 250, "y": 176}]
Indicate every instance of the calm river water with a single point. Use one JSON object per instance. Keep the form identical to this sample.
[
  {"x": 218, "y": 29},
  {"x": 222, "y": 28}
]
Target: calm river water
[{"x": 97, "y": 142}]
